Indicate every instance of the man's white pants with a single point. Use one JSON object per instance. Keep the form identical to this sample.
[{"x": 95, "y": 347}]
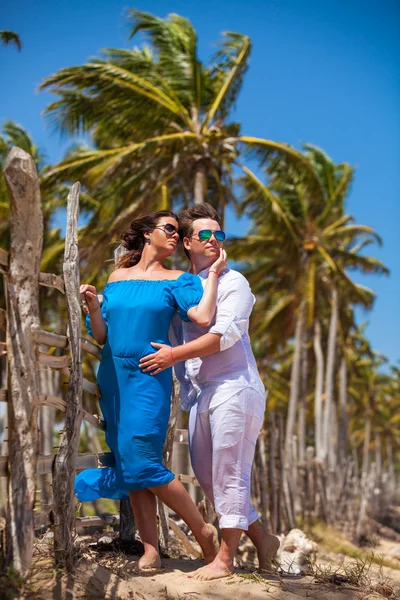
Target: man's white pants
[{"x": 222, "y": 442}]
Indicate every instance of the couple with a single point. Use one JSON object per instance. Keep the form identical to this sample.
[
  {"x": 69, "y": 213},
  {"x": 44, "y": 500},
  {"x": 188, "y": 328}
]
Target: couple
[{"x": 222, "y": 389}]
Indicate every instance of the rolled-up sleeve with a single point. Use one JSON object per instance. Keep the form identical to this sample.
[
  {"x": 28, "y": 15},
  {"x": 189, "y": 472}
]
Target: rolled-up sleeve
[{"x": 233, "y": 313}]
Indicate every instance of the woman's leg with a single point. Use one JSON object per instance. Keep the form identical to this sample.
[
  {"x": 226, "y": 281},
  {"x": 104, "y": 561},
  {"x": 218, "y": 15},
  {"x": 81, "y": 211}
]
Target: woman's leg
[
  {"x": 144, "y": 508},
  {"x": 174, "y": 495}
]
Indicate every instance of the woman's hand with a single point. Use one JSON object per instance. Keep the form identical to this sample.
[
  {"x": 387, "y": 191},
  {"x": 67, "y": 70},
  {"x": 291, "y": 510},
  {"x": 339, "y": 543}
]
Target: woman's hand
[
  {"x": 158, "y": 361},
  {"x": 221, "y": 263},
  {"x": 90, "y": 301}
]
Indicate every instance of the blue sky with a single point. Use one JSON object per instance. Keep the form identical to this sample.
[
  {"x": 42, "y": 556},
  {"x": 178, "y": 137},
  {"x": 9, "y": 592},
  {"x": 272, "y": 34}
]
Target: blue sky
[{"x": 320, "y": 72}]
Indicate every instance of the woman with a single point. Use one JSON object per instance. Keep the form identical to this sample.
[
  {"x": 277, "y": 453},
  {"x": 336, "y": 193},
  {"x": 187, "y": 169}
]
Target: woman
[{"x": 139, "y": 301}]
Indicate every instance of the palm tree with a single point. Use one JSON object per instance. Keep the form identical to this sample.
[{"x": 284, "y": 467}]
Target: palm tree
[
  {"x": 297, "y": 256},
  {"x": 9, "y": 37},
  {"x": 159, "y": 120}
]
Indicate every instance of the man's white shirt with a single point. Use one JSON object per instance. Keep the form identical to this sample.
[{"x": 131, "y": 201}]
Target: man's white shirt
[{"x": 213, "y": 379}]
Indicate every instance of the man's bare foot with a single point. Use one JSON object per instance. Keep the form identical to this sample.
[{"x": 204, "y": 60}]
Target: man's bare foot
[
  {"x": 209, "y": 543},
  {"x": 267, "y": 552},
  {"x": 215, "y": 570}
]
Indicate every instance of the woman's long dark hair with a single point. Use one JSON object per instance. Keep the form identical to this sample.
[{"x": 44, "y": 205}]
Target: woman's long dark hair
[{"x": 133, "y": 238}]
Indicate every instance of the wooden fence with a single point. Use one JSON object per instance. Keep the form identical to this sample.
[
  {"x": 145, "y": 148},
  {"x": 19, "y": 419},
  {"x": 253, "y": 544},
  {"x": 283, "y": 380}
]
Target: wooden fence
[
  {"x": 285, "y": 495},
  {"x": 24, "y": 350}
]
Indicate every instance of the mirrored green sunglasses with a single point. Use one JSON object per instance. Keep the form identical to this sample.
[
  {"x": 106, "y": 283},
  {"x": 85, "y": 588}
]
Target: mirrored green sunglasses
[{"x": 205, "y": 234}]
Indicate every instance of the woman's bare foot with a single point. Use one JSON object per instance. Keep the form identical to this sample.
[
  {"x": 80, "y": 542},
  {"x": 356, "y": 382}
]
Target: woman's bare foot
[
  {"x": 209, "y": 543},
  {"x": 267, "y": 551},
  {"x": 215, "y": 570},
  {"x": 150, "y": 560}
]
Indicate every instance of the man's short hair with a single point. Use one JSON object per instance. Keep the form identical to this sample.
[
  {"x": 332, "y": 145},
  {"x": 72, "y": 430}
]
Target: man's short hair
[{"x": 199, "y": 211}]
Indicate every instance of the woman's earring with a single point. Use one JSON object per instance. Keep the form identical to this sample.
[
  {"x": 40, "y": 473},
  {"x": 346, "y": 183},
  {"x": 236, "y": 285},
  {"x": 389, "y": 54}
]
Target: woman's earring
[{"x": 148, "y": 240}]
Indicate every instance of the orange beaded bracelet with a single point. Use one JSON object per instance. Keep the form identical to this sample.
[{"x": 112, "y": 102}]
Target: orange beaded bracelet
[{"x": 212, "y": 271}]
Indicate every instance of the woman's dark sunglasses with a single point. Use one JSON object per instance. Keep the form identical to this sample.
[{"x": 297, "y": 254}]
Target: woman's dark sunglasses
[
  {"x": 168, "y": 228},
  {"x": 205, "y": 234}
]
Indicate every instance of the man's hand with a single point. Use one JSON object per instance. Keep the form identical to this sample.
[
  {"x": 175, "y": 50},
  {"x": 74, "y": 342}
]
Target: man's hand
[
  {"x": 221, "y": 263},
  {"x": 158, "y": 361}
]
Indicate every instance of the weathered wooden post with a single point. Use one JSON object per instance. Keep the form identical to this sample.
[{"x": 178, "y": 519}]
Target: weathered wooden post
[
  {"x": 260, "y": 463},
  {"x": 167, "y": 460},
  {"x": 23, "y": 326},
  {"x": 127, "y": 525},
  {"x": 64, "y": 464}
]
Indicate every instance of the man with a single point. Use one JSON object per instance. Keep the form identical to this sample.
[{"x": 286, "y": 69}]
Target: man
[{"x": 221, "y": 386}]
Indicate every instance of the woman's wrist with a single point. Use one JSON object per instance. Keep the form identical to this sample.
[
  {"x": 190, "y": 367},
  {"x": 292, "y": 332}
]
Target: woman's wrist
[
  {"x": 213, "y": 271},
  {"x": 91, "y": 312}
]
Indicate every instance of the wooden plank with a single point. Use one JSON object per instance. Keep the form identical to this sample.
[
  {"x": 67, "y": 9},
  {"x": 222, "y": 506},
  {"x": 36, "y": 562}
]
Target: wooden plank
[
  {"x": 187, "y": 479},
  {"x": 3, "y": 319},
  {"x": 23, "y": 319},
  {"x": 91, "y": 348},
  {"x": 55, "y": 340},
  {"x": 3, "y": 257},
  {"x": 45, "y": 279},
  {"x": 55, "y": 362},
  {"x": 181, "y": 436},
  {"x": 43, "y": 519},
  {"x": 63, "y": 473},
  {"x": 83, "y": 461},
  {"x": 88, "y": 386},
  {"x": 97, "y": 521},
  {"x": 190, "y": 549},
  {"x": 60, "y": 404},
  {"x": 52, "y": 281}
]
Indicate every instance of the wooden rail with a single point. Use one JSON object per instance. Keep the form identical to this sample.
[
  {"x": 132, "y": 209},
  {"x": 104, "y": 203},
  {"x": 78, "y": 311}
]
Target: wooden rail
[
  {"x": 40, "y": 345},
  {"x": 93, "y": 461}
]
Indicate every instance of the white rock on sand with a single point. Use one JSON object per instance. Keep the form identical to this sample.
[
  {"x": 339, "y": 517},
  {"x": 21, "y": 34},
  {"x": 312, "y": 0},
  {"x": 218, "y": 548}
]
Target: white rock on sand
[{"x": 296, "y": 552}]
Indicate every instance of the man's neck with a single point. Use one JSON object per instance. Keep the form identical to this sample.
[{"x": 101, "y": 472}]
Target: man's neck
[{"x": 199, "y": 265}]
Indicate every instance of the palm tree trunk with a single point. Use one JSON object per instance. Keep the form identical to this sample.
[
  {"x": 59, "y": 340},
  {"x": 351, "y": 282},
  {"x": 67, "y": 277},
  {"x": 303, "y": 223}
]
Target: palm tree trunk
[
  {"x": 294, "y": 384},
  {"x": 290, "y": 454},
  {"x": 364, "y": 479},
  {"x": 342, "y": 438},
  {"x": 330, "y": 375},
  {"x": 200, "y": 180},
  {"x": 319, "y": 381},
  {"x": 391, "y": 472},
  {"x": 378, "y": 488},
  {"x": 303, "y": 397}
]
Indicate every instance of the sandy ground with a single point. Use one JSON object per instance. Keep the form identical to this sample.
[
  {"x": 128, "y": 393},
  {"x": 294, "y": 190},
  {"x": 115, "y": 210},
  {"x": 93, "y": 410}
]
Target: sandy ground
[
  {"x": 101, "y": 576},
  {"x": 95, "y": 582}
]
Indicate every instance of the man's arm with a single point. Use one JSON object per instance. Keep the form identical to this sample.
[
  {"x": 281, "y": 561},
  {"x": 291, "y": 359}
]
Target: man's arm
[
  {"x": 233, "y": 311},
  {"x": 167, "y": 355}
]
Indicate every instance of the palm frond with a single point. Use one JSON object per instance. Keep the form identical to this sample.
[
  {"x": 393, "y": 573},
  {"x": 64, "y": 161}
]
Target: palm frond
[
  {"x": 9, "y": 37},
  {"x": 274, "y": 200},
  {"x": 235, "y": 50}
]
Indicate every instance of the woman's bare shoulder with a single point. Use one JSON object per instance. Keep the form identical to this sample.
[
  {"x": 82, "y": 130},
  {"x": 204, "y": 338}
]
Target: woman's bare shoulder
[
  {"x": 175, "y": 273},
  {"x": 117, "y": 275}
]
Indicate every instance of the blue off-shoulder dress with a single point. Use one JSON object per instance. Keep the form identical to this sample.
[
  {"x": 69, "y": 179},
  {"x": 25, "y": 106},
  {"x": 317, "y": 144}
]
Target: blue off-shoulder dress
[{"x": 135, "y": 405}]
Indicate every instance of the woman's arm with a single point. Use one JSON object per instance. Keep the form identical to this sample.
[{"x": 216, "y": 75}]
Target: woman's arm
[
  {"x": 203, "y": 313},
  {"x": 91, "y": 306},
  {"x": 166, "y": 356}
]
